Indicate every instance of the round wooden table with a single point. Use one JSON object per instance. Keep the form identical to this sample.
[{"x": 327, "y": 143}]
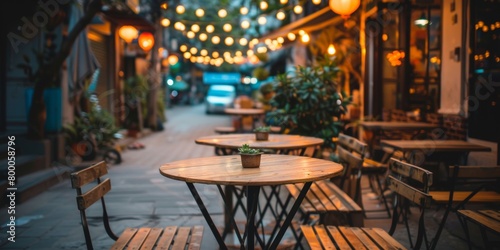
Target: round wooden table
[
  {"x": 280, "y": 142},
  {"x": 274, "y": 170},
  {"x": 245, "y": 112}
]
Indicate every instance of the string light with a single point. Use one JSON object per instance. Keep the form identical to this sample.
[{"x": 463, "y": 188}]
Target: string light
[
  {"x": 203, "y": 37},
  {"x": 280, "y": 15},
  {"x": 263, "y": 5},
  {"x": 262, "y": 20},
  {"x": 210, "y": 28},
  {"x": 227, "y": 27},
  {"x": 200, "y": 12},
  {"x": 229, "y": 41},
  {"x": 165, "y": 22},
  {"x": 222, "y": 13},
  {"x": 180, "y": 9},
  {"x": 245, "y": 24},
  {"x": 193, "y": 50},
  {"x": 243, "y": 10},
  {"x": 190, "y": 34},
  {"x": 215, "y": 40},
  {"x": 297, "y": 9},
  {"x": 195, "y": 27}
]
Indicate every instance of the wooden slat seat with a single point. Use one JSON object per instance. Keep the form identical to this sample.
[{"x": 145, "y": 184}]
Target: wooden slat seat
[
  {"x": 340, "y": 237},
  {"x": 487, "y": 220},
  {"x": 468, "y": 184},
  {"x": 170, "y": 237}
]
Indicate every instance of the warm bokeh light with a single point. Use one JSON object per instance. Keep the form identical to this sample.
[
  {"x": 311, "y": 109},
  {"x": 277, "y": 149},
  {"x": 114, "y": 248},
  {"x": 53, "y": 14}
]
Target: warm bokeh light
[
  {"x": 229, "y": 41},
  {"x": 180, "y": 9},
  {"x": 195, "y": 27},
  {"x": 250, "y": 52},
  {"x": 262, "y": 20},
  {"x": 215, "y": 40},
  {"x": 165, "y": 22},
  {"x": 183, "y": 48},
  {"x": 193, "y": 50},
  {"x": 190, "y": 34},
  {"x": 301, "y": 32},
  {"x": 238, "y": 53},
  {"x": 128, "y": 33},
  {"x": 210, "y": 28},
  {"x": 222, "y": 13},
  {"x": 245, "y": 24},
  {"x": 172, "y": 59},
  {"x": 331, "y": 50},
  {"x": 215, "y": 54},
  {"x": 263, "y": 5},
  {"x": 280, "y": 39},
  {"x": 344, "y": 7},
  {"x": 291, "y": 36},
  {"x": 283, "y": 1},
  {"x": 203, "y": 52},
  {"x": 187, "y": 55},
  {"x": 316, "y": 2},
  {"x": 261, "y": 49},
  {"x": 146, "y": 41},
  {"x": 164, "y": 6},
  {"x": 243, "y": 41},
  {"x": 227, "y": 27},
  {"x": 200, "y": 12},
  {"x": 280, "y": 15},
  {"x": 305, "y": 38},
  {"x": 193, "y": 59},
  {"x": 179, "y": 26},
  {"x": 243, "y": 10},
  {"x": 203, "y": 37},
  {"x": 297, "y": 9}
]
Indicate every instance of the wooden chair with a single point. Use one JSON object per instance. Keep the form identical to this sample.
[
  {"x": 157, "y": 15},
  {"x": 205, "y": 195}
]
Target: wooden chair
[
  {"x": 455, "y": 127},
  {"x": 131, "y": 238},
  {"x": 486, "y": 220},
  {"x": 468, "y": 185},
  {"x": 370, "y": 168},
  {"x": 411, "y": 184}
]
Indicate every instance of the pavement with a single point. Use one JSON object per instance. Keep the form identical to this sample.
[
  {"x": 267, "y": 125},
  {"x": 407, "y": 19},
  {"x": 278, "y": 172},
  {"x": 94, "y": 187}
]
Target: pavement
[{"x": 140, "y": 196}]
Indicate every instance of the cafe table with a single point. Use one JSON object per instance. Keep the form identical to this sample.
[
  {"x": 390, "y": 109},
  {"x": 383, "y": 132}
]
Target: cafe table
[
  {"x": 274, "y": 170},
  {"x": 456, "y": 151},
  {"x": 378, "y": 128},
  {"x": 281, "y": 143},
  {"x": 244, "y": 112}
]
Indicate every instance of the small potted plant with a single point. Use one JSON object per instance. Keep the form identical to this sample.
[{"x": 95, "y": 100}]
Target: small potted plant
[
  {"x": 250, "y": 157},
  {"x": 262, "y": 133}
]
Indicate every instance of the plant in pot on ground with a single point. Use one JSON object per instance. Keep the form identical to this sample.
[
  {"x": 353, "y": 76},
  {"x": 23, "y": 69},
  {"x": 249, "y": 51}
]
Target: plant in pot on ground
[
  {"x": 262, "y": 133},
  {"x": 309, "y": 103},
  {"x": 250, "y": 157}
]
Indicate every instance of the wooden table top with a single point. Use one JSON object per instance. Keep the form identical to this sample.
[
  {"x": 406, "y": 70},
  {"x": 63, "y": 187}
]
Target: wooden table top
[
  {"x": 435, "y": 145},
  {"x": 273, "y": 170},
  {"x": 241, "y": 111},
  {"x": 276, "y": 141},
  {"x": 376, "y": 125}
]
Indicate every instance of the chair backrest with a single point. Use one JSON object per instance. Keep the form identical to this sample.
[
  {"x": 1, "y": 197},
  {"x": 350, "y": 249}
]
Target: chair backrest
[
  {"x": 410, "y": 185},
  {"x": 85, "y": 199},
  {"x": 455, "y": 127},
  {"x": 351, "y": 153},
  {"x": 474, "y": 178}
]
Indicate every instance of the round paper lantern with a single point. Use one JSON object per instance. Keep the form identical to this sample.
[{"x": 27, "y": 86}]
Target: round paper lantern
[
  {"x": 128, "y": 33},
  {"x": 344, "y": 7},
  {"x": 146, "y": 41}
]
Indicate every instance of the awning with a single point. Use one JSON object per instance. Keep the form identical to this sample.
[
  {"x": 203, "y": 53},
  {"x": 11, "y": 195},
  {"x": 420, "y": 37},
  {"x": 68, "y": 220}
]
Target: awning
[
  {"x": 315, "y": 21},
  {"x": 123, "y": 15}
]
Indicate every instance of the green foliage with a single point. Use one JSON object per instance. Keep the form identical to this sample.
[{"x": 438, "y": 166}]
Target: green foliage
[
  {"x": 262, "y": 129},
  {"x": 309, "y": 103},
  {"x": 260, "y": 73},
  {"x": 246, "y": 149}
]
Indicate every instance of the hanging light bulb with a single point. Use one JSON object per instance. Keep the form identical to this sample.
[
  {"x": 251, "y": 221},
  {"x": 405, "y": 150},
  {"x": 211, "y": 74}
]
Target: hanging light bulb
[
  {"x": 280, "y": 15},
  {"x": 297, "y": 9},
  {"x": 263, "y": 5},
  {"x": 210, "y": 28},
  {"x": 195, "y": 27},
  {"x": 222, "y": 13},
  {"x": 180, "y": 9},
  {"x": 227, "y": 27},
  {"x": 331, "y": 50},
  {"x": 245, "y": 24},
  {"x": 215, "y": 40},
  {"x": 243, "y": 10},
  {"x": 165, "y": 22},
  {"x": 199, "y": 12}
]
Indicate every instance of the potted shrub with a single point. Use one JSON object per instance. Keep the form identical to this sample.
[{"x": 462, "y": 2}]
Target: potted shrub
[
  {"x": 250, "y": 157},
  {"x": 262, "y": 133}
]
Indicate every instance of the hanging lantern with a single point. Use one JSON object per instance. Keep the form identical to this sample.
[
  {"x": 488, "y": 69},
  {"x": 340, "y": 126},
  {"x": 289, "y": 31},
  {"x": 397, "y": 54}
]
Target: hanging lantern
[
  {"x": 146, "y": 41},
  {"x": 344, "y": 7},
  {"x": 128, "y": 33}
]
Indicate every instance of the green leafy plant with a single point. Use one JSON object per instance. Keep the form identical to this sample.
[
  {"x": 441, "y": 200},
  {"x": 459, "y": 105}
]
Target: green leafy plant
[
  {"x": 309, "y": 103},
  {"x": 246, "y": 149},
  {"x": 262, "y": 129}
]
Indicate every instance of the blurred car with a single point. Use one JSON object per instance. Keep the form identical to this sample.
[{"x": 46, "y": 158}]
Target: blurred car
[{"x": 219, "y": 97}]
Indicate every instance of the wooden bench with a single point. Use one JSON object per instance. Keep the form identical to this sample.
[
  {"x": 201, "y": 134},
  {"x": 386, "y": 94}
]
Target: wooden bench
[
  {"x": 486, "y": 219},
  {"x": 468, "y": 184},
  {"x": 333, "y": 237},
  {"x": 170, "y": 237},
  {"x": 341, "y": 197}
]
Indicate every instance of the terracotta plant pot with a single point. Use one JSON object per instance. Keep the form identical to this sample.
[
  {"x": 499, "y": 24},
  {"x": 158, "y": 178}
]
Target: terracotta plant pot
[
  {"x": 261, "y": 136},
  {"x": 250, "y": 160}
]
